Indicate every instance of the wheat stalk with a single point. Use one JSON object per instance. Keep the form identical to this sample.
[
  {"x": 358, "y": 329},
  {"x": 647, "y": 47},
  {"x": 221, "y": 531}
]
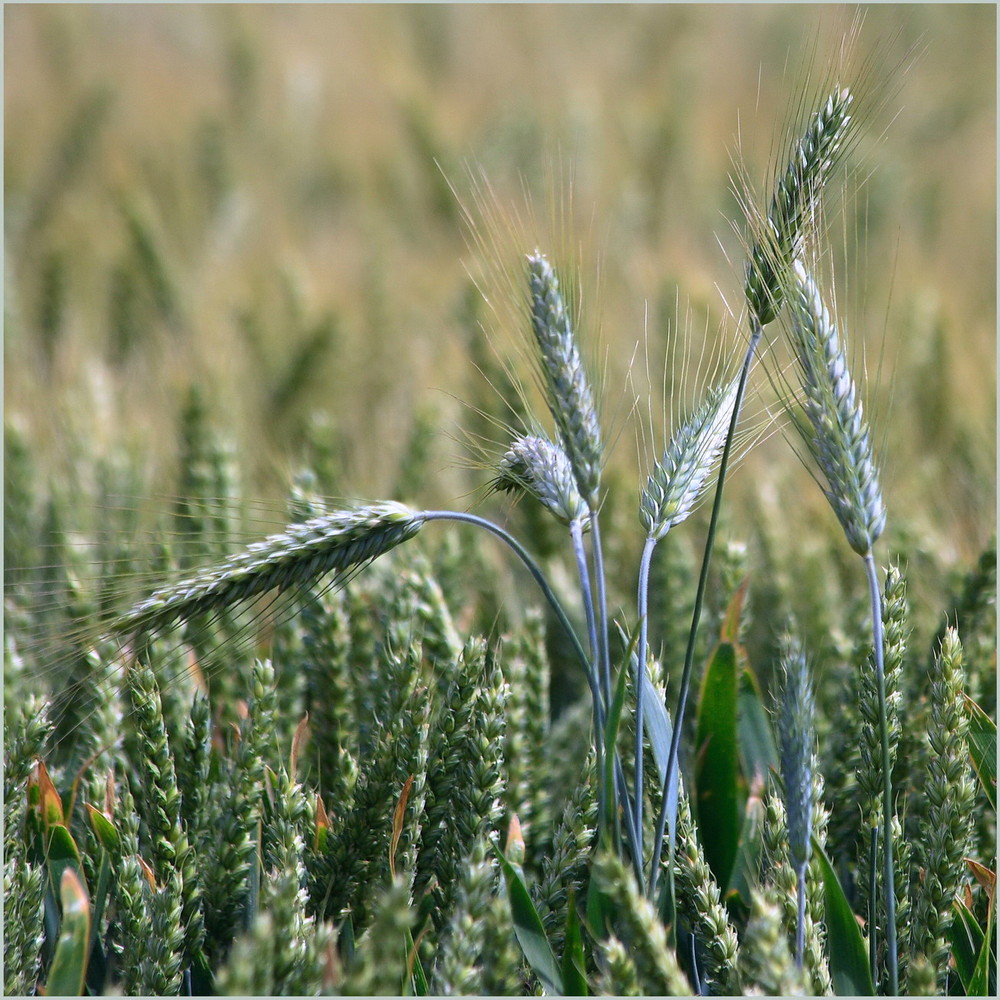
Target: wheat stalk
[
  {"x": 672, "y": 492},
  {"x": 836, "y": 433},
  {"x": 571, "y": 403},
  {"x": 779, "y": 235}
]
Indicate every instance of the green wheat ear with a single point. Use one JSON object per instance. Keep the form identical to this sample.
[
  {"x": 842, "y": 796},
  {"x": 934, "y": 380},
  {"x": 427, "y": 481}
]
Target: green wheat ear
[
  {"x": 332, "y": 543},
  {"x": 778, "y": 242},
  {"x": 946, "y": 829},
  {"x": 640, "y": 929},
  {"x": 834, "y": 428},
  {"x": 567, "y": 388},
  {"x": 680, "y": 477},
  {"x": 542, "y": 469}
]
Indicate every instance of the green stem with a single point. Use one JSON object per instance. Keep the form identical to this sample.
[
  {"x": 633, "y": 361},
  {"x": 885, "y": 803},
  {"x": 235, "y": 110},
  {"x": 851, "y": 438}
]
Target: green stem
[
  {"x": 587, "y": 593},
  {"x": 642, "y": 607},
  {"x": 602, "y": 604},
  {"x": 576, "y": 534},
  {"x": 755, "y": 335},
  {"x": 872, "y": 902},
  {"x": 533, "y": 569},
  {"x": 883, "y": 724}
]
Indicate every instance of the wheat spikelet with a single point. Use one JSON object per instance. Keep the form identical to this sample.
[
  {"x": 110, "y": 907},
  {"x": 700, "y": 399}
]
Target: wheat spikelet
[
  {"x": 338, "y": 542},
  {"x": 795, "y": 745},
  {"x": 679, "y": 478},
  {"x": 835, "y": 429},
  {"x": 541, "y": 468},
  {"x": 568, "y": 391},
  {"x": 946, "y": 831},
  {"x": 640, "y": 928}
]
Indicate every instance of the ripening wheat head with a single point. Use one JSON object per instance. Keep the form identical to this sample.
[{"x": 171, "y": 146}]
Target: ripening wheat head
[
  {"x": 778, "y": 236},
  {"x": 679, "y": 478},
  {"x": 567, "y": 388},
  {"x": 537, "y": 466},
  {"x": 834, "y": 427},
  {"x": 339, "y": 543}
]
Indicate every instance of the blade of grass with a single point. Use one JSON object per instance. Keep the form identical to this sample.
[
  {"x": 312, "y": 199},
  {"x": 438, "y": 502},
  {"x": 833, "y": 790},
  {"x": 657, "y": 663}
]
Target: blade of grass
[
  {"x": 717, "y": 763},
  {"x": 529, "y": 930},
  {"x": 966, "y": 938},
  {"x": 983, "y": 982},
  {"x": 983, "y": 749},
  {"x": 574, "y": 959},
  {"x": 69, "y": 965},
  {"x": 849, "y": 968}
]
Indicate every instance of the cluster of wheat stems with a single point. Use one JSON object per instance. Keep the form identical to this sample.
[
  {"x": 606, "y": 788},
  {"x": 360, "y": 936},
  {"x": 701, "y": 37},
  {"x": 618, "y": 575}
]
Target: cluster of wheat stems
[{"x": 649, "y": 872}]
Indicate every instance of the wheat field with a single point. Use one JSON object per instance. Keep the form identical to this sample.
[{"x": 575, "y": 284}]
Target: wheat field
[{"x": 287, "y": 284}]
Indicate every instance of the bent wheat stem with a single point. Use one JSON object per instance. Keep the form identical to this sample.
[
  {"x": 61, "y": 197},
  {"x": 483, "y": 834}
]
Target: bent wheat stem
[{"x": 672, "y": 492}]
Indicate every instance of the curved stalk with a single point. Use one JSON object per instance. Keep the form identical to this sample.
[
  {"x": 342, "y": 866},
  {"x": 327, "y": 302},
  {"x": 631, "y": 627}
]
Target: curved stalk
[{"x": 533, "y": 569}]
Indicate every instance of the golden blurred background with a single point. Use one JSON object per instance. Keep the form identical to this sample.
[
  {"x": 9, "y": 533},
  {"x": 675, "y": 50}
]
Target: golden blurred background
[{"x": 258, "y": 201}]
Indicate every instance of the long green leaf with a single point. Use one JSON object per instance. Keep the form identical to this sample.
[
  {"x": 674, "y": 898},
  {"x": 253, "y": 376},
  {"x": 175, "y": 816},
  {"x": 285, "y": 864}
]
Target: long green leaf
[
  {"x": 758, "y": 752},
  {"x": 849, "y": 968},
  {"x": 966, "y": 942},
  {"x": 529, "y": 931},
  {"x": 599, "y": 911},
  {"x": 983, "y": 749},
  {"x": 657, "y": 725},
  {"x": 69, "y": 964},
  {"x": 983, "y": 982},
  {"x": 717, "y": 769},
  {"x": 758, "y": 757}
]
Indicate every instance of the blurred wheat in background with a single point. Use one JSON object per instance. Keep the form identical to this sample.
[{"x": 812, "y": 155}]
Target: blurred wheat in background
[{"x": 255, "y": 201}]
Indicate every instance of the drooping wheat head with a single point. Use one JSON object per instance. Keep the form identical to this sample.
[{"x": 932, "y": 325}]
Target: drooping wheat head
[
  {"x": 339, "y": 543},
  {"x": 537, "y": 466}
]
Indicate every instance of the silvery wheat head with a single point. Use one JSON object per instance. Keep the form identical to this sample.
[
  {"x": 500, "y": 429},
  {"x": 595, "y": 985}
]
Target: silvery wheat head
[
  {"x": 679, "y": 478},
  {"x": 338, "y": 543},
  {"x": 834, "y": 428},
  {"x": 537, "y": 466},
  {"x": 567, "y": 388}
]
